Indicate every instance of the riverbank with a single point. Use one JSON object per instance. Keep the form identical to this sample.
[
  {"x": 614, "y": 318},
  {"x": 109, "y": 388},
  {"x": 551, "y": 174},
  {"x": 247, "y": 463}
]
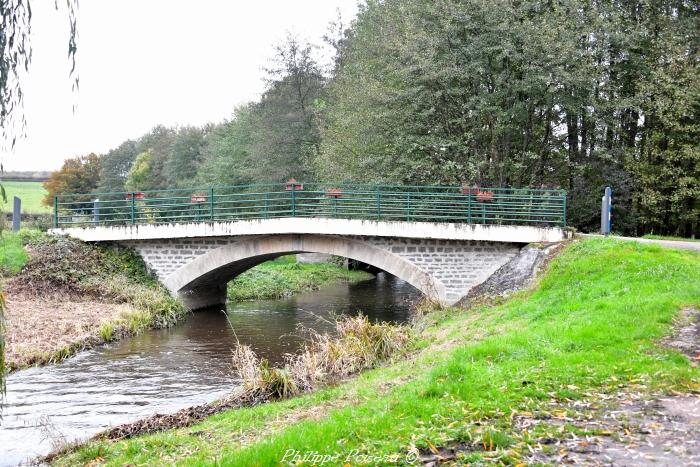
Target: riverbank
[
  {"x": 284, "y": 277},
  {"x": 64, "y": 296},
  {"x": 509, "y": 383}
]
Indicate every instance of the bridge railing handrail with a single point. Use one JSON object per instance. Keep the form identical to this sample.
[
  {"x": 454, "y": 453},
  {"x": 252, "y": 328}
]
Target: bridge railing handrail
[{"x": 460, "y": 204}]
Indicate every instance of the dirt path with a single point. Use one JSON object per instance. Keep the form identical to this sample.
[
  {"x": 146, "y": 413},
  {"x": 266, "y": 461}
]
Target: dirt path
[
  {"x": 631, "y": 430},
  {"x": 664, "y": 243}
]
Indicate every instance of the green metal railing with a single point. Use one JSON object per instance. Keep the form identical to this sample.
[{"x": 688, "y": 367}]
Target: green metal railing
[{"x": 347, "y": 201}]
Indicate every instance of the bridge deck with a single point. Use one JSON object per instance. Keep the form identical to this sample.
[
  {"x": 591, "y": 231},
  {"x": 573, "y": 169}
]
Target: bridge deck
[{"x": 448, "y": 204}]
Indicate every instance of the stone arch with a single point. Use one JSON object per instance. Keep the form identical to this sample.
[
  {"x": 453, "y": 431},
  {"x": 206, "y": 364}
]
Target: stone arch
[{"x": 202, "y": 282}]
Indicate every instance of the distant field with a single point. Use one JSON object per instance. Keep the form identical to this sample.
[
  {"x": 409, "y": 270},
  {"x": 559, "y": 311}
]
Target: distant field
[{"x": 31, "y": 194}]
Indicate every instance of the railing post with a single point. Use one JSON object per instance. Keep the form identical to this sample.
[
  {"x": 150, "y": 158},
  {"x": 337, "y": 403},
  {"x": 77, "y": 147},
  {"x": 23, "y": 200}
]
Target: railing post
[
  {"x": 211, "y": 204},
  {"x": 408, "y": 206},
  {"x": 469, "y": 206},
  {"x": 267, "y": 204},
  {"x": 55, "y": 212},
  {"x": 294, "y": 200},
  {"x": 133, "y": 208},
  {"x": 379, "y": 204},
  {"x": 564, "y": 213},
  {"x": 96, "y": 211}
]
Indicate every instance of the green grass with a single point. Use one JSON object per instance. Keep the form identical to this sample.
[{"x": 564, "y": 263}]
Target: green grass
[
  {"x": 31, "y": 194},
  {"x": 284, "y": 277},
  {"x": 13, "y": 256},
  {"x": 670, "y": 237},
  {"x": 589, "y": 330}
]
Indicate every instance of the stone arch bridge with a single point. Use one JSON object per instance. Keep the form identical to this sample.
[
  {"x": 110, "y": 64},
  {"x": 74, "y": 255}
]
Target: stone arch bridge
[
  {"x": 443, "y": 261},
  {"x": 443, "y": 240}
]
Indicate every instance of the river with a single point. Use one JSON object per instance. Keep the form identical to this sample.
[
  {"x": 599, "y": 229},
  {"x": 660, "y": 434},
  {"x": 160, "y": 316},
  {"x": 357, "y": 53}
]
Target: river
[{"x": 165, "y": 370}]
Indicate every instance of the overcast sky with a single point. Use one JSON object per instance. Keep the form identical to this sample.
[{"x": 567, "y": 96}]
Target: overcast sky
[{"x": 148, "y": 62}]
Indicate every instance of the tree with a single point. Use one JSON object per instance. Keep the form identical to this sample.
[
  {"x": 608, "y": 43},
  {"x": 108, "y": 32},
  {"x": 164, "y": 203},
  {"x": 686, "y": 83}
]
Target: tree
[
  {"x": 140, "y": 175},
  {"x": 15, "y": 57},
  {"x": 77, "y": 175},
  {"x": 185, "y": 155},
  {"x": 226, "y": 158},
  {"x": 276, "y": 138},
  {"x": 115, "y": 166},
  {"x": 572, "y": 94}
]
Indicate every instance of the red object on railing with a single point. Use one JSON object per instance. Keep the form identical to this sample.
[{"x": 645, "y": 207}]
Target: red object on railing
[
  {"x": 470, "y": 190},
  {"x": 334, "y": 192},
  {"x": 292, "y": 184},
  {"x": 137, "y": 195},
  {"x": 484, "y": 196},
  {"x": 198, "y": 199}
]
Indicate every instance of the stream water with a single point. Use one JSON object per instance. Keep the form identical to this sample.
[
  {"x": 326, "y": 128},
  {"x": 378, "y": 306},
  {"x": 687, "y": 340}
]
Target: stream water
[{"x": 166, "y": 370}]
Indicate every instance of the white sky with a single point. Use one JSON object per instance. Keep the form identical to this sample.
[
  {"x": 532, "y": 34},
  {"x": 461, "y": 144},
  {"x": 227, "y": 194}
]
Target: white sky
[{"x": 148, "y": 62}]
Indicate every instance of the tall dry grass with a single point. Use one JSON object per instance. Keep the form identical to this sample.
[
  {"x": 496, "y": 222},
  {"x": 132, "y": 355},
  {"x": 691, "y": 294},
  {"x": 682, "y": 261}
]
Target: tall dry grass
[{"x": 357, "y": 345}]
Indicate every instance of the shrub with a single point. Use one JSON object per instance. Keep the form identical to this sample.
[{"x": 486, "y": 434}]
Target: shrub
[{"x": 357, "y": 345}]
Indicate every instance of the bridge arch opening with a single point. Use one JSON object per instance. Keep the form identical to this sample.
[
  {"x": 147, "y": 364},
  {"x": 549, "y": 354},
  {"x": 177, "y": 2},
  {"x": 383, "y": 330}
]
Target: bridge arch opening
[{"x": 202, "y": 282}]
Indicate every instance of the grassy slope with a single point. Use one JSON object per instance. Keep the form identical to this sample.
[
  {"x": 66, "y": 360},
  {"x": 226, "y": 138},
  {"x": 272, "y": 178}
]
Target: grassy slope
[
  {"x": 589, "y": 329},
  {"x": 13, "y": 256},
  {"x": 31, "y": 194},
  {"x": 284, "y": 277}
]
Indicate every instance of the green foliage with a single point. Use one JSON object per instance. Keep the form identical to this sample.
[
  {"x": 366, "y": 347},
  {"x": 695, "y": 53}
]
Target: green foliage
[
  {"x": 273, "y": 139},
  {"x": 31, "y": 194},
  {"x": 571, "y": 94},
  {"x": 284, "y": 277},
  {"x": 141, "y": 176},
  {"x": 61, "y": 264},
  {"x": 116, "y": 165},
  {"x": 587, "y": 332},
  {"x": 77, "y": 175}
]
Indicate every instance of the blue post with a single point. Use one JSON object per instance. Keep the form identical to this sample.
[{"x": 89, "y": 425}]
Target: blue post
[
  {"x": 16, "y": 213},
  {"x": 606, "y": 212},
  {"x": 96, "y": 211}
]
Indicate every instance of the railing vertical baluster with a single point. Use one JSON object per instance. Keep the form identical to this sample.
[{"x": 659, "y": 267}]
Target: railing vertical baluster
[
  {"x": 133, "y": 208},
  {"x": 55, "y": 212},
  {"x": 564, "y": 213},
  {"x": 211, "y": 204},
  {"x": 469, "y": 206},
  {"x": 408, "y": 206},
  {"x": 379, "y": 203},
  {"x": 294, "y": 200},
  {"x": 266, "y": 197}
]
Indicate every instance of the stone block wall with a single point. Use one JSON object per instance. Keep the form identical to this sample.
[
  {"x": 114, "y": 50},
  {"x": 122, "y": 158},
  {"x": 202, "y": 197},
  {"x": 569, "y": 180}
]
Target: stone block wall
[{"x": 457, "y": 264}]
